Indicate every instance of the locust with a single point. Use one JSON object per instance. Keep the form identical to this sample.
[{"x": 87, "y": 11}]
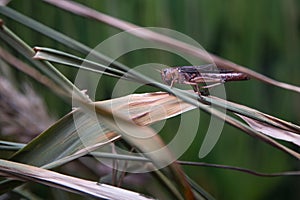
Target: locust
[{"x": 204, "y": 74}]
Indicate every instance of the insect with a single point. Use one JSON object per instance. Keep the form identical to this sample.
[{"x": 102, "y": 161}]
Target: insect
[{"x": 195, "y": 75}]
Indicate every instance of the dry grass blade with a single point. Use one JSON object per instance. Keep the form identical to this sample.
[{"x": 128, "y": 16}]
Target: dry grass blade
[
  {"x": 150, "y": 145},
  {"x": 162, "y": 39},
  {"x": 272, "y": 131},
  {"x": 147, "y": 108},
  {"x": 255, "y": 114},
  {"x": 30, "y": 173},
  {"x": 180, "y": 188},
  {"x": 191, "y": 98},
  {"x": 94, "y": 14}
]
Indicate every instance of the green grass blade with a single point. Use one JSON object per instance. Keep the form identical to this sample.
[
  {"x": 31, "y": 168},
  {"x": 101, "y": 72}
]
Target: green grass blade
[
  {"x": 19, "y": 45},
  {"x": 13, "y": 145},
  {"x": 192, "y": 100},
  {"x": 75, "y": 61},
  {"x": 215, "y": 101},
  {"x": 57, "y": 36},
  {"x": 60, "y": 141},
  {"x": 82, "y": 10}
]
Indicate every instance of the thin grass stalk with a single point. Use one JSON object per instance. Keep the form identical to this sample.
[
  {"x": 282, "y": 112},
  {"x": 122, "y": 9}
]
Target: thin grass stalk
[
  {"x": 28, "y": 70},
  {"x": 4, "y": 145},
  {"x": 82, "y": 100},
  {"x": 55, "y": 35},
  {"x": 7, "y": 35},
  {"x": 146, "y": 34},
  {"x": 193, "y": 100},
  {"x": 74, "y": 61},
  {"x": 242, "y": 127},
  {"x": 19, "y": 45},
  {"x": 152, "y": 36}
]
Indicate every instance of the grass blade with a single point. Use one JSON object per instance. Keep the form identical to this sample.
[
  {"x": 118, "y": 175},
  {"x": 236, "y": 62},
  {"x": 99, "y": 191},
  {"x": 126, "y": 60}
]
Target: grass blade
[
  {"x": 105, "y": 115},
  {"x": 57, "y": 36},
  {"x": 30, "y": 173},
  {"x": 82, "y": 10},
  {"x": 19, "y": 45},
  {"x": 77, "y": 46},
  {"x": 272, "y": 131},
  {"x": 75, "y": 61},
  {"x": 191, "y": 99}
]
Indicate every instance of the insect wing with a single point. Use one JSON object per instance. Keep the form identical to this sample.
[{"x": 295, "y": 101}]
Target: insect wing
[{"x": 210, "y": 68}]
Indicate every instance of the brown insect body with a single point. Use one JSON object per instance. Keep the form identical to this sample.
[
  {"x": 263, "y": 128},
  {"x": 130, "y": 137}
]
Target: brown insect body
[{"x": 194, "y": 75}]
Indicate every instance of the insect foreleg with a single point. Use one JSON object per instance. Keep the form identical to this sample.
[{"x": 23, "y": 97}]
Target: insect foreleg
[{"x": 172, "y": 83}]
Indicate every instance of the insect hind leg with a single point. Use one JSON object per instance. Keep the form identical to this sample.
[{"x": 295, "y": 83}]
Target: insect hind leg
[
  {"x": 212, "y": 85},
  {"x": 201, "y": 92}
]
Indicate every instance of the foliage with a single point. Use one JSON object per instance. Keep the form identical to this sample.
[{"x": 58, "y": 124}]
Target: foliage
[{"x": 263, "y": 35}]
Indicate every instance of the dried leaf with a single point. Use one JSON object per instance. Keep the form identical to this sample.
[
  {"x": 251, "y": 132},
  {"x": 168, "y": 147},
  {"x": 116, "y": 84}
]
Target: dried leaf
[
  {"x": 27, "y": 172},
  {"x": 148, "y": 108},
  {"x": 272, "y": 131}
]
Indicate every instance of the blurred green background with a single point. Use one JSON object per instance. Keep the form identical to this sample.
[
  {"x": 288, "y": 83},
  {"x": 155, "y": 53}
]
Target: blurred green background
[{"x": 262, "y": 35}]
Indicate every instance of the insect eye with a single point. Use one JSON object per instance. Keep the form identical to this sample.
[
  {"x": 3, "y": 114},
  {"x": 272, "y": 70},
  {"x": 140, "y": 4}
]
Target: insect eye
[{"x": 165, "y": 72}]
